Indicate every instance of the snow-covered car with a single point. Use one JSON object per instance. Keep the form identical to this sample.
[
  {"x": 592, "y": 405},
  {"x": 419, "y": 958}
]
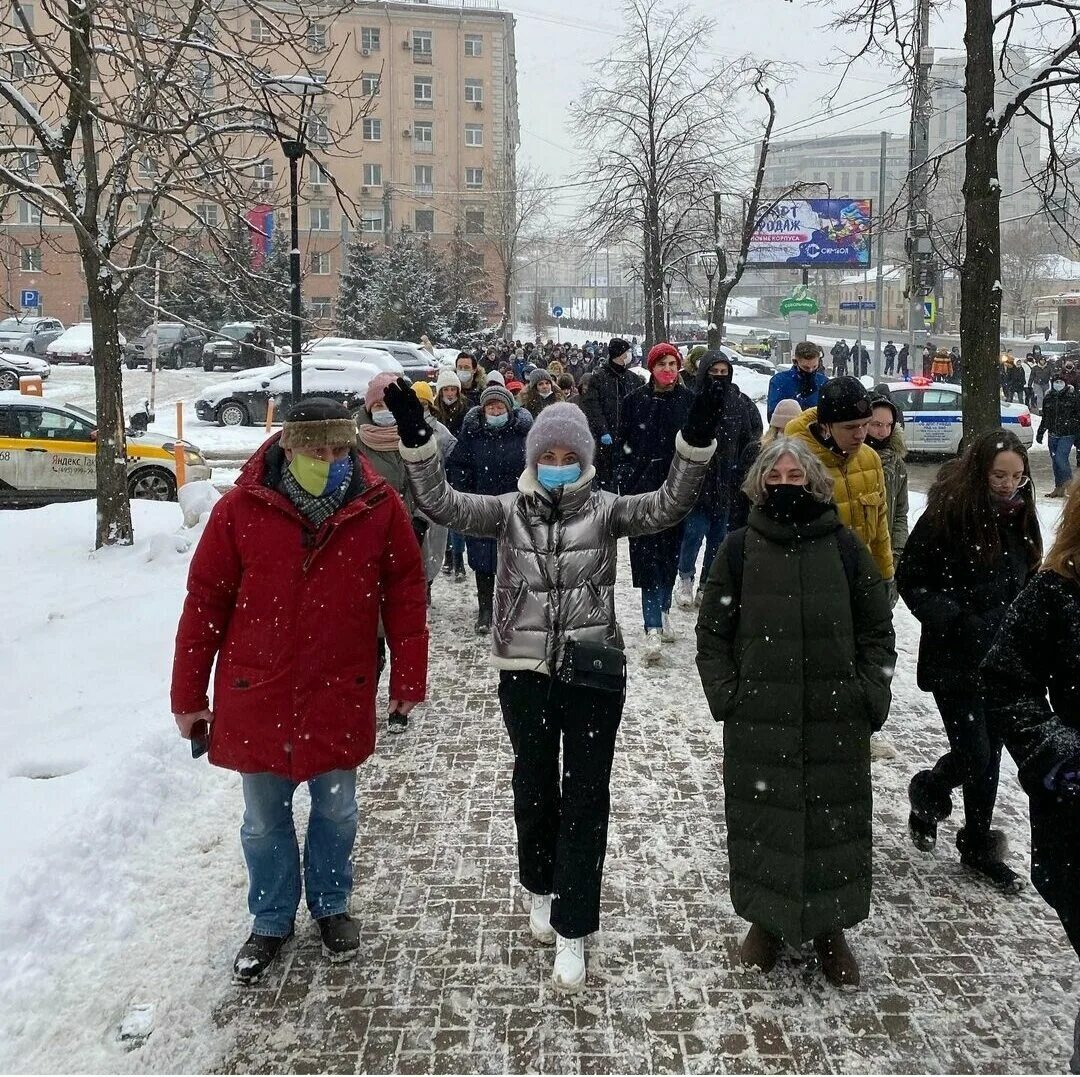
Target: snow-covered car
[
  {"x": 933, "y": 420},
  {"x": 419, "y": 365},
  {"x": 736, "y": 358},
  {"x": 76, "y": 345},
  {"x": 244, "y": 401},
  {"x": 231, "y": 348},
  {"x": 339, "y": 350},
  {"x": 47, "y": 454},
  {"x": 16, "y": 365},
  {"x": 30, "y": 335},
  {"x": 178, "y": 345}
]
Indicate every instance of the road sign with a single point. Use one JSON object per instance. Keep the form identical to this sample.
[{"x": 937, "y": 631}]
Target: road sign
[
  {"x": 930, "y": 311},
  {"x": 31, "y": 297},
  {"x": 799, "y": 302},
  {"x": 557, "y": 311},
  {"x": 858, "y": 304}
]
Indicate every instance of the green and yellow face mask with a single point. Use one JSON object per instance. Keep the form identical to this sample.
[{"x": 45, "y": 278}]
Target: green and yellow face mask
[{"x": 312, "y": 474}]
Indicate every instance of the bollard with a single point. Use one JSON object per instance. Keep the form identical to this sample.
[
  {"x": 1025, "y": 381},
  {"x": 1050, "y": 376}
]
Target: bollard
[
  {"x": 180, "y": 464},
  {"x": 269, "y": 414},
  {"x": 179, "y": 421},
  {"x": 31, "y": 385}
]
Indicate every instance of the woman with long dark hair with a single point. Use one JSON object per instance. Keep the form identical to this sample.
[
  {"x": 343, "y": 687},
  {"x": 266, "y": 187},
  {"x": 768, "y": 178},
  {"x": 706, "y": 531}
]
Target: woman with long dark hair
[{"x": 968, "y": 557}]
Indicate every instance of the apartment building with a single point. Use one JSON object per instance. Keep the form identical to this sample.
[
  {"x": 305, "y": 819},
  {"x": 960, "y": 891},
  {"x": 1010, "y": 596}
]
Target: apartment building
[{"x": 426, "y": 140}]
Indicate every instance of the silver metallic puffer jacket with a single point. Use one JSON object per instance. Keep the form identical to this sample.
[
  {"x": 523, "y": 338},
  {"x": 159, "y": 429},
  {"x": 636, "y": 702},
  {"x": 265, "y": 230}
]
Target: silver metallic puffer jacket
[{"x": 557, "y": 555}]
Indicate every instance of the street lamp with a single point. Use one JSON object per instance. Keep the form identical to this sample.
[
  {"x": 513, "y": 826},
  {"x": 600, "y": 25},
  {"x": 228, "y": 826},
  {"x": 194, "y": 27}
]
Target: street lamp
[{"x": 305, "y": 89}]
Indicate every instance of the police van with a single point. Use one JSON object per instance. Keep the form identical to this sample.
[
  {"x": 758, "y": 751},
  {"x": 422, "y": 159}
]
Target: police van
[
  {"x": 47, "y": 454},
  {"x": 933, "y": 421}
]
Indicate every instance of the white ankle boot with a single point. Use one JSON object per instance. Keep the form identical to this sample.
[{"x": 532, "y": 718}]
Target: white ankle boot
[
  {"x": 540, "y": 918},
  {"x": 667, "y": 633},
  {"x": 569, "y": 972},
  {"x": 650, "y": 653},
  {"x": 684, "y": 594}
]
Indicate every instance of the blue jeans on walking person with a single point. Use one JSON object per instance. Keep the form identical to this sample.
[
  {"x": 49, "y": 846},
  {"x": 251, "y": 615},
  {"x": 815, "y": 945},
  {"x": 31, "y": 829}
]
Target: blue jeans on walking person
[
  {"x": 1059, "y": 459},
  {"x": 699, "y": 527},
  {"x": 457, "y": 543},
  {"x": 655, "y": 602},
  {"x": 268, "y": 837}
]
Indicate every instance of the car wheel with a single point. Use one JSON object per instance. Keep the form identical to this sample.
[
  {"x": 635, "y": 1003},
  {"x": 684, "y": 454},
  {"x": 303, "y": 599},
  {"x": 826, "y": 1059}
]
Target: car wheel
[
  {"x": 8, "y": 380},
  {"x": 208, "y": 366},
  {"x": 233, "y": 413},
  {"x": 131, "y": 364},
  {"x": 152, "y": 484},
  {"x": 30, "y": 349}
]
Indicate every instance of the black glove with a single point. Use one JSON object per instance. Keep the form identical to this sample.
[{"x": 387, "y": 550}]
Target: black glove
[
  {"x": 408, "y": 413},
  {"x": 700, "y": 427},
  {"x": 420, "y": 529}
]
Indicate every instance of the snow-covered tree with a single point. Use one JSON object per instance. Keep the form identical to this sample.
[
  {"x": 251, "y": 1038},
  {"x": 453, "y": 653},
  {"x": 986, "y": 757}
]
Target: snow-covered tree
[
  {"x": 407, "y": 292},
  {"x": 356, "y": 293}
]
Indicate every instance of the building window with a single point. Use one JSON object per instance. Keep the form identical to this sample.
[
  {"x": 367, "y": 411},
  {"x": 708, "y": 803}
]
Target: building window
[
  {"x": 321, "y": 307},
  {"x": 474, "y": 178},
  {"x": 202, "y": 78},
  {"x": 317, "y": 176},
  {"x": 23, "y": 65},
  {"x": 319, "y": 219},
  {"x": 370, "y": 38},
  {"x": 422, "y": 91},
  {"x": 30, "y": 259},
  {"x": 372, "y": 130},
  {"x": 474, "y": 45},
  {"x": 845, "y": 186},
  {"x": 371, "y": 220},
  {"x": 424, "y": 220},
  {"x": 423, "y": 137},
  {"x": 318, "y": 128},
  {"x": 142, "y": 211},
  {"x": 24, "y": 10},
  {"x": 208, "y": 213},
  {"x": 316, "y": 37},
  {"x": 474, "y": 222},
  {"x": 422, "y": 46},
  {"x": 147, "y": 167},
  {"x": 320, "y": 263},
  {"x": 372, "y": 175},
  {"x": 474, "y": 134},
  {"x": 264, "y": 172},
  {"x": 474, "y": 91},
  {"x": 874, "y": 180},
  {"x": 424, "y": 176},
  {"x": 28, "y": 212},
  {"x": 859, "y": 177},
  {"x": 260, "y": 32},
  {"x": 370, "y": 85},
  {"x": 29, "y": 163}
]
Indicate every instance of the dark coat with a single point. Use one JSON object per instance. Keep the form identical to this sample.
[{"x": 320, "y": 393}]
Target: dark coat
[
  {"x": 959, "y": 600},
  {"x": 650, "y": 421},
  {"x": 1032, "y": 679},
  {"x": 1060, "y": 414},
  {"x": 291, "y": 616},
  {"x": 795, "y": 669},
  {"x": 609, "y": 386},
  {"x": 488, "y": 460}
]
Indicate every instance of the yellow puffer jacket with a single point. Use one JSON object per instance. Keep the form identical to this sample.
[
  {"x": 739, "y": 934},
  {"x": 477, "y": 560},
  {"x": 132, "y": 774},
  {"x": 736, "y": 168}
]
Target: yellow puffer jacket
[{"x": 859, "y": 492}]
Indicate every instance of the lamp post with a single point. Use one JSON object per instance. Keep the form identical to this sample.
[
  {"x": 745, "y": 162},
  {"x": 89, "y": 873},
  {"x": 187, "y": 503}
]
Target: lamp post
[{"x": 305, "y": 89}]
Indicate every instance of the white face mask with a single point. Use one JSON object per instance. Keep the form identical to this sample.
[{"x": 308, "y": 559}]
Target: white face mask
[
  {"x": 385, "y": 417},
  {"x": 544, "y": 393},
  {"x": 1057, "y": 386}
]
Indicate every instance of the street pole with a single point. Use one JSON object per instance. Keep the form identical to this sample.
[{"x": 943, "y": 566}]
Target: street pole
[
  {"x": 294, "y": 151},
  {"x": 879, "y": 291},
  {"x": 155, "y": 349},
  {"x": 919, "y": 247}
]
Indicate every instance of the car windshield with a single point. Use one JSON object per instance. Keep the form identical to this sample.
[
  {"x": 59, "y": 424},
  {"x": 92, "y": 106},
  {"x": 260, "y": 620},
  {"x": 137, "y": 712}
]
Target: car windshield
[
  {"x": 235, "y": 332},
  {"x": 82, "y": 413},
  {"x": 9, "y": 324},
  {"x": 167, "y": 332}
]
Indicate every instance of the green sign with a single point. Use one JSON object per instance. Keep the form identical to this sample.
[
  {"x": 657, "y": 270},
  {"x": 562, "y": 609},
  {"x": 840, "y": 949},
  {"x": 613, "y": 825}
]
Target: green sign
[{"x": 799, "y": 302}]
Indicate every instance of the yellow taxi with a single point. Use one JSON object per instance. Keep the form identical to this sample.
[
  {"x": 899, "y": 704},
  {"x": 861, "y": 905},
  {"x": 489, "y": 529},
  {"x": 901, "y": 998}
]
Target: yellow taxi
[{"x": 47, "y": 455}]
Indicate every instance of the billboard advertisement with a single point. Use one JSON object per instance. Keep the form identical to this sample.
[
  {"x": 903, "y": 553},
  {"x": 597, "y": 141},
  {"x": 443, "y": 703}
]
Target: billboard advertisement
[{"x": 814, "y": 232}]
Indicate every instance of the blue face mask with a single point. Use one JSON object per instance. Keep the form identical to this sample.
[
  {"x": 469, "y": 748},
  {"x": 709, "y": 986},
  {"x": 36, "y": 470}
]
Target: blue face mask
[
  {"x": 552, "y": 477},
  {"x": 339, "y": 472},
  {"x": 383, "y": 418},
  {"x": 497, "y": 420}
]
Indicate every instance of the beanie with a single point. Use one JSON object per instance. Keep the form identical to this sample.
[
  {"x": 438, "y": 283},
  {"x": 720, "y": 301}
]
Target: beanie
[
  {"x": 616, "y": 347},
  {"x": 424, "y": 392},
  {"x": 317, "y": 423},
  {"x": 694, "y": 356},
  {"x": 497, "y": 394},
  {"x": 843, "y": 400},
  {"x": 538, "y": 375},
  {"x": 448, "y": 379},
  {"x": 560, "y": 426},
  {"x": 785, "y": 411},
  {"x": 659, "y": 351},
  {"x": 495, "y": 378},
  {"x": 376, "y": 389}
]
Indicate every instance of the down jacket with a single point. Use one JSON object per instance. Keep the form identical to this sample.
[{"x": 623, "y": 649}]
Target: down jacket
[
  {"x": 859, "y": 490},
  {"x": 793, "y": 384},
  {"x": 602, "y": 403},
  {"x": 291, "y": 616},
  {"x": 557, "y": 556},
  {"x": 893, "y": 464},
  {"x": 796, "y": 667}
]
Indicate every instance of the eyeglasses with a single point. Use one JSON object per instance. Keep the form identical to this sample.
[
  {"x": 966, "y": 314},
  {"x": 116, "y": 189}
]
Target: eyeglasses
[{"x": 998, "y": 484}]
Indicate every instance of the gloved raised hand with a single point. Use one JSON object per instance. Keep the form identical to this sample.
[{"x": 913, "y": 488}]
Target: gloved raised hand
[
  {"x": 606, "y": 439},
  {"x": 705, "y": 411},
  {"x": 408, "y": 413}
]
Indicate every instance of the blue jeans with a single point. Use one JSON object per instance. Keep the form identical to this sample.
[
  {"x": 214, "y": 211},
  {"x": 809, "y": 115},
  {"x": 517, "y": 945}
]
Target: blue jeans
[
  {"x": 700, "y": 526},
  {"x": 456, "y": 542},
  {"x": 1059, "y": 459},
  {"x": 268, "y": 837},
  {"x": 655, "y": 602}
]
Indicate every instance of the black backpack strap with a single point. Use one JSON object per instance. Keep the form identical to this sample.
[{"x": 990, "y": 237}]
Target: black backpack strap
[{"x": 736, "y": 554}]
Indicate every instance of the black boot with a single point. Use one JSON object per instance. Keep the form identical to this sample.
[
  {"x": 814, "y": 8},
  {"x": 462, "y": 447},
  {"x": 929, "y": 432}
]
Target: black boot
[
  {"x": 459, "y": 566},
  {"x": 985, "y": 853},
  {"x": 340, "y": 936},
  {"x": 256, "y": 956},
  {"x": 485, "y": 590},
  {"x": 930, "y": 804},
  {"x": 448, "y": 561}
]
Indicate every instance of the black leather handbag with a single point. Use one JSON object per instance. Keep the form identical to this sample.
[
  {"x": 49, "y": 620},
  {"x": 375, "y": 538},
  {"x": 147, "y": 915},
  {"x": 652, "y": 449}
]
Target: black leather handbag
[{"x": 593, "y": 665}]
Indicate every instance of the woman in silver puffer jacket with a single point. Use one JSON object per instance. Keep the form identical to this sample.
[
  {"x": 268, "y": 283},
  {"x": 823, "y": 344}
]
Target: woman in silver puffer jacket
[{"x": 554, "y": 625}]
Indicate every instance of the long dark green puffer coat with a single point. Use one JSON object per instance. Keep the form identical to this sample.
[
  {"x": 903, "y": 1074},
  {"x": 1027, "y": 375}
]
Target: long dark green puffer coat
[{"x": 798, "y": 671}]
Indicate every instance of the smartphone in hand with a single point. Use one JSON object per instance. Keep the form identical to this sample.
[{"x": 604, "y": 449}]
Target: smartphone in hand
[{"x": 200, "y": 739}]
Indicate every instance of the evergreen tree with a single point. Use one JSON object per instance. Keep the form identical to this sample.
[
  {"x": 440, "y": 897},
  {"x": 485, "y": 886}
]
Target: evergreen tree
[
  {"x": 356, "y": 293},
  {"x": 407, "y": 291}
]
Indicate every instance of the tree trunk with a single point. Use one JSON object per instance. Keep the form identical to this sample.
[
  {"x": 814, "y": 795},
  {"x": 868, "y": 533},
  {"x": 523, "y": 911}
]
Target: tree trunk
[
  {"x": 653, "y": 284},
  {"x": 980, "y": 274},
  {"x": 114, "y": 526},
  {"x": 506, "y": 330},
  {"x": 719, "y": 309}
]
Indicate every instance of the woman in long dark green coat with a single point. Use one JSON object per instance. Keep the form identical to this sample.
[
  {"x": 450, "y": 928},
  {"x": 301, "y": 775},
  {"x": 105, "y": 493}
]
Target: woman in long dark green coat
[{"x": 796, "y": 651}]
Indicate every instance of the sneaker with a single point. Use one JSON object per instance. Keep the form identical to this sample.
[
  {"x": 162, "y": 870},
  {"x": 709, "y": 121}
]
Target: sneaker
[
  {"x": 881, "y": 748},
  {"x": 569, "y": 971},
  {"x": 397, "y": 723},
  {"x": 650, "y": 653},
  {"x": 448, "y": 563},
  {"x": 256, "y": 956},
  {"x": 540, "y": 918},
  {"x": 667, "y": 632},
  {"x": 684, "y": 593},
  {"x": 340, "y": 936},
  {"x": 459, "y": 574},
  {"x": 699, "y": 597}
]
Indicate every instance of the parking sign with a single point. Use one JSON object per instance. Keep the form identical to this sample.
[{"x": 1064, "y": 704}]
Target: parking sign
[{"x": 31, "y": 297}]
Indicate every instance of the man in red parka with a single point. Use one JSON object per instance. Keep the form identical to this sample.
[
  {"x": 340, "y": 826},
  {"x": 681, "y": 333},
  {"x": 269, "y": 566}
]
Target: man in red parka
[{"x": 295, "y": 567}]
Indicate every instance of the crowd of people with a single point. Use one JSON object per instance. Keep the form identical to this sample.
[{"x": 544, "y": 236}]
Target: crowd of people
[{"x": 531, "y": 464}]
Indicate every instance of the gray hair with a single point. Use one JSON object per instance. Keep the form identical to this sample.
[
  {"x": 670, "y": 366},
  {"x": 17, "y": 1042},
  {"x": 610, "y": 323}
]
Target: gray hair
[{"x": 818, "y": 480}]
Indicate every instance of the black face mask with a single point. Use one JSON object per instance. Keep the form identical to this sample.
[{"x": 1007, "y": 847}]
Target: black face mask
[
  {"x": 877, "y": 444},
  {"x": 787, "y": 504},
  {"x": 724, "y": 379}
]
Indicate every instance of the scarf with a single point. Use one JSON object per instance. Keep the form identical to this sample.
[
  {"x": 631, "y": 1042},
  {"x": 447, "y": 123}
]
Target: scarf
[
  {"x": 380, "y": 438},
  {"x": 317, "y": 509}
]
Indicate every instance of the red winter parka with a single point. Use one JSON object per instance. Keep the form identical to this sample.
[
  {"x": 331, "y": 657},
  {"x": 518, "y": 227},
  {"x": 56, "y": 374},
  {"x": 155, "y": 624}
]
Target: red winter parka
[{"x": 292, "y": 616}]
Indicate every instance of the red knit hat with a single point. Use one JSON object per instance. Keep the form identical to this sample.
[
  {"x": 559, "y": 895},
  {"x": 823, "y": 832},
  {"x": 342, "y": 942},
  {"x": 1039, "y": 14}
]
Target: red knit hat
[{"x": 659, "y": 351}]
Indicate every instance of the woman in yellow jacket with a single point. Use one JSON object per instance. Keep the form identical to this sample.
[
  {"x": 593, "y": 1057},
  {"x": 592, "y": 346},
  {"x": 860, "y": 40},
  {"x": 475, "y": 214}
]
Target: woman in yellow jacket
[{"x": 835, "y": 432}]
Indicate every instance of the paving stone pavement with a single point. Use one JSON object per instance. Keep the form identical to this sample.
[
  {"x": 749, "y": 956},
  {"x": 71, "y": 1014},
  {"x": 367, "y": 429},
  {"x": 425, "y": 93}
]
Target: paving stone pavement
[{"x": 956, "y": 978}]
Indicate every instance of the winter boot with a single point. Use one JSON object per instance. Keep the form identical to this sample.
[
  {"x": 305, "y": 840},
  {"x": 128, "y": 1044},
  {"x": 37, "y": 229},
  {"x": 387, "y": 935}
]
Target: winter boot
[
  {"x": 1058, "y": 491},
  {"x": 448, "y": 561},
  {"x": 459, "y": 567},
  {"x": 485, "y": 589},
  {"x": 569, "y": 971},
  {"x": 837, "y": 961},
  {"x": 1074, "y": 1062},
  {"x": 699, "y": 597},
  {"x": 760, "y": 949},
  {"x": 667, "y": 632},
  {"x": 397, "y": 723},
  {"x": 256, "y": 956},
  {"x": 930, "y": 804},
  {"x": 985, "y": 853},
  {"x": 650, "y": 653},
  {"x": 540, "y": 918},
  {"x": 340, "y": 937},
  {"x": 684, "y": 593}
]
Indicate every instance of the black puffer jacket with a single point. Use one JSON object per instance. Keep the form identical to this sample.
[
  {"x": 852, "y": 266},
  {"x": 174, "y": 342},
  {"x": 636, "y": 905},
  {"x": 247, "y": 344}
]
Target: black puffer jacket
[
  {"x": 609, "y": 386},
  {"x": 1060, "y": 414}
]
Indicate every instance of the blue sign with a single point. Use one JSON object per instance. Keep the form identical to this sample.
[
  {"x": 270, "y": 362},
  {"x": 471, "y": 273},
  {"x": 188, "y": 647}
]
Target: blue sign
[
  {"x": 557, "y": 311},
  {"x": 31, "y": 297},
  {"x": 858, "y": 304}
]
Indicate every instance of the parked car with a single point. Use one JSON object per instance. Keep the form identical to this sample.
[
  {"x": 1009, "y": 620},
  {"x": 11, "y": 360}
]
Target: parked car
[
  {"x": 244, "y": 401},
  {"x": 348, "y": 352},
  {"x": 418, "y": 364},
  {"x": 232, "y": 348},
  {"x": 933, "y": 421},
  {"x": 76, "y": 345},
  {"x": 47, "y": 454},
  {"x": 736, "y": 358},
  {"x": 30, "y": 335},
  {"x": 178, "y": 345},
  {"x": 14, "y": 366}
]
